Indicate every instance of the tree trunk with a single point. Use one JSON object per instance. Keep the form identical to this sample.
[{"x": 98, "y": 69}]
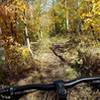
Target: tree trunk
[
  {"x": 67, "y": 20},
  {"x": 28, "y": 41},
  {"x": 79, "y": 25},
  {"x": 79, "y": 19},
  {"x": 67, "y": 16},
  {"x": 27, "y": 37}
]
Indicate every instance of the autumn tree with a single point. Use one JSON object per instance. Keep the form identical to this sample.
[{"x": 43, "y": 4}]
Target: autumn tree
[{"x": 13, "y": 24}]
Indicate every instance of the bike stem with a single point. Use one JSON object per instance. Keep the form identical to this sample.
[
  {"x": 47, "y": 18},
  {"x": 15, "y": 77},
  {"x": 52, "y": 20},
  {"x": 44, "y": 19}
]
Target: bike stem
[{"x": 60, "y": 89}]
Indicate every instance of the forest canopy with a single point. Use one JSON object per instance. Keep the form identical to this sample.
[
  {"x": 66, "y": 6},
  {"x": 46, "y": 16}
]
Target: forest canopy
[{"x": 43, "y": 18}]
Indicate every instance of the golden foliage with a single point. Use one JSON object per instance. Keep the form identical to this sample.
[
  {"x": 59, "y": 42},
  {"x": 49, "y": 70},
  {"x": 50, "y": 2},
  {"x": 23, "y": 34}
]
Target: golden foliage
[
  {"x": 17, "y": 59},
  {"x": 10, "y": 16}
]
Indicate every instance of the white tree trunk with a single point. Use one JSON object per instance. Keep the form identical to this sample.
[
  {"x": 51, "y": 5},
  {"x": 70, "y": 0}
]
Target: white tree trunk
[
  {"x": 28, "y": 41},
  {"x": 67, "y": 15},
  {"x": 79, "y": 19},
  {"x": 67, "y": 20}
]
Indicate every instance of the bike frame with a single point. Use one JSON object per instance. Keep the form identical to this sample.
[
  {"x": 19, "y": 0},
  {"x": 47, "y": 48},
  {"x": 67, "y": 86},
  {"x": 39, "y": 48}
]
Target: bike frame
[{"x": 61, "y": 87}]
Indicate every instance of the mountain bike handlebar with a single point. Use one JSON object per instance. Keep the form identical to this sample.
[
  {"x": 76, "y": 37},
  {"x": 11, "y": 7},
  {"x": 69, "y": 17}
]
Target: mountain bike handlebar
[{"x": 60, "y": 86}]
